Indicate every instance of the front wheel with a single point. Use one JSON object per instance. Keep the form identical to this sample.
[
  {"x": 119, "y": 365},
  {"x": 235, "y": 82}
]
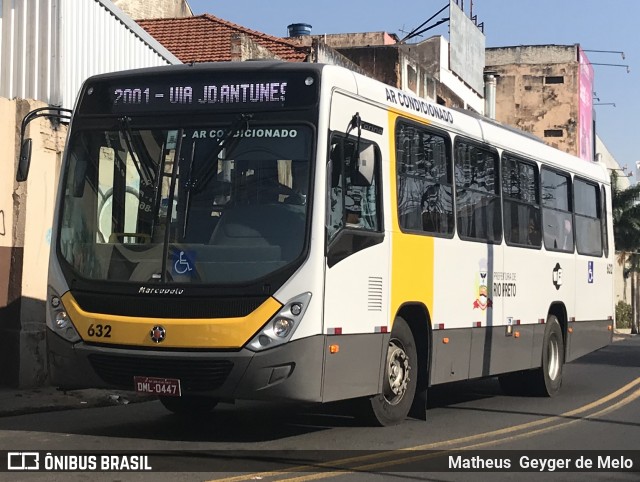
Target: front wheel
[
  {"x": 189, "y": 404},
  {"x": 400, "y": 378}
]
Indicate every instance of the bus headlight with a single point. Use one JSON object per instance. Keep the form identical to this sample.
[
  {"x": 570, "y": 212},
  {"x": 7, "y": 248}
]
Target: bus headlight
[
  {"x": 281, "y": 327},
  {"x": 61, "y": 322}
]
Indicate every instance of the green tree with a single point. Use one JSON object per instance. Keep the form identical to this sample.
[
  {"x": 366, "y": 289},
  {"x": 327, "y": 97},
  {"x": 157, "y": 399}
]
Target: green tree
[{"x": 626, "y": 233}]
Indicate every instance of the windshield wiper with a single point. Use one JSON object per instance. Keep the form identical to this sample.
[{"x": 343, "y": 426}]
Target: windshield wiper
[
  {"x": 208, "y": 170},
  {"x": 188, "y": 201},
  {"x": 146, "y": 175}
]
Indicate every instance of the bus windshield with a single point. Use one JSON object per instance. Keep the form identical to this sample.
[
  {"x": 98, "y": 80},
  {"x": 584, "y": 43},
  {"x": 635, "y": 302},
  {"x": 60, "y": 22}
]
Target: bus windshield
[{"x": 216, "y": 204}]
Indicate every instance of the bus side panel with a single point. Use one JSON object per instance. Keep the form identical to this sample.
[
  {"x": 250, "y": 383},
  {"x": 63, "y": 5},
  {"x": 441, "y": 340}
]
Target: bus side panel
[
  {"x": 595, "y": 299},
  {"x": 526, "y": 289},
  {"x": 588, "y": 336},
  {"x": 354, "y": 369},
  {"x": 356, "y": 305},
  {"x": 466, "y": 305},
  {"x": 412, "y": 255},
  {"x": 594, "y": 306},
  {"x": 450, "y": 355},
  {"x": 501, "y": 349}
]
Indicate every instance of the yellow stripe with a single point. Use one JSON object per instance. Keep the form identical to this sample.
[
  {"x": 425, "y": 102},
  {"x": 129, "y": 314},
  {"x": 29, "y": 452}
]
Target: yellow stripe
[
  {"x": 180, "y": 333},
  {"x": 412, "y": 255}
]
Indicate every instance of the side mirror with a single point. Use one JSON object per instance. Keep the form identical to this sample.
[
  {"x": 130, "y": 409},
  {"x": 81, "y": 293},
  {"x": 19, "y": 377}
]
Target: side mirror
[
  {"x": 56, "y": 113},
  {"x": 24, "y": 161}
]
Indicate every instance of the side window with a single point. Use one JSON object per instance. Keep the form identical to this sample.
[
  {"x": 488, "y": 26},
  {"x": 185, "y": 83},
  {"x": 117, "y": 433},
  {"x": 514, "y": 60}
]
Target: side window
[
  {"x": 604, "y": 219},
  {"x": 557, "y": 220},
  {"x": 425, "y": 191},
  {"x": 521, "y": 200},
  {"x": 353, "y": 186},
  {"x": 477, "y": 192},
  {"x": 588, "y": 223}
]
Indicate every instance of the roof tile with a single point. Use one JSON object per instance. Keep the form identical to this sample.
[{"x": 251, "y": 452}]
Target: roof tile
[{"x": 206, "y": 38}]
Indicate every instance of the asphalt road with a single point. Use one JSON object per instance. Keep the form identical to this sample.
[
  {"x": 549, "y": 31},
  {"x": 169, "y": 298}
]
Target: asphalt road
[{"x": 596, "y": 415}]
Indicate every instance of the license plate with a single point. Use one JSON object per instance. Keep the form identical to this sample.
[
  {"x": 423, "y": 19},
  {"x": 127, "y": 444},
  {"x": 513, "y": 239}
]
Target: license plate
[{"x": 167, "y": 387}]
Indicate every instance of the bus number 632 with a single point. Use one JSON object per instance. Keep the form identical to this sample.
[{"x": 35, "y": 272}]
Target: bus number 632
[{"x": 99, "y": 331}]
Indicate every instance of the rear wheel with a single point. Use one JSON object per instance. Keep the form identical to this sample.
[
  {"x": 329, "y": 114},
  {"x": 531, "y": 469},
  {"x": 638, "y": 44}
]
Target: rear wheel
[
  {"x": 546, "y": 380},
  {"x": 400, "y": 378},
  {"x": 189, "y": 405}
]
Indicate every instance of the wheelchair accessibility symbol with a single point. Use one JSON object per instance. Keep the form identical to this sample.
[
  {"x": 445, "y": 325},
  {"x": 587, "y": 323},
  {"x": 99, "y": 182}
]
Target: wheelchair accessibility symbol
[{"x": 182, "y": 264}]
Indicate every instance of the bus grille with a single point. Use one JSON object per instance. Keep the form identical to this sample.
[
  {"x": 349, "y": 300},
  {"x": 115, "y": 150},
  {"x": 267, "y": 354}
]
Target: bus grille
[
  {"x": 194, "y": 375},
  {"x": 158, "y": 307}
]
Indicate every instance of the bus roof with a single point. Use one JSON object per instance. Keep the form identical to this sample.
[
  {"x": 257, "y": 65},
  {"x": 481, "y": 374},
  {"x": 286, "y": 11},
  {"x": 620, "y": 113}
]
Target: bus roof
[{"x": 457, "y": 121}]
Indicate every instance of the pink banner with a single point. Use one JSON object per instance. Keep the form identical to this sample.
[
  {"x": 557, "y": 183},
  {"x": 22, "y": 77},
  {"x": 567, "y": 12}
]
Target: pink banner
[{"x": 585, "y": 108}]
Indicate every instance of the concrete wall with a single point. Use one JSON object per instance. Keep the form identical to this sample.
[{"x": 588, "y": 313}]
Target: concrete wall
[
  {"x": 430, "y": 59},
  {"x": 26, "y": 216},
  {"x": 344, "y": 40},
  {"x": 139, "y": 9},
  {"x": 244, "y": 48},
  {"x": 381, "y": 62},
  {"x": 321, "y": 53},
  {"x": 11, "y": 250},
  {"x": 531, "y": 54}
]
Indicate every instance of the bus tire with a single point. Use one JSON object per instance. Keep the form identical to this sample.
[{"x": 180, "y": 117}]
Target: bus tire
[
  {"x": 400, "y": 378},
  {"x": 189, "y": 405},
  {"x": 548, "y": 378}
]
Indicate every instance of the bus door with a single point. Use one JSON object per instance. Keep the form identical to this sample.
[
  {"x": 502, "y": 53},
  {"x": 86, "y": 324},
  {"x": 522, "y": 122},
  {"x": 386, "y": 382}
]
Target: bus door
[{"x": 357, "y": 253}]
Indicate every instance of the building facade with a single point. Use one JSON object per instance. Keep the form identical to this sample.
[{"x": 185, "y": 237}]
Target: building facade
[
  {"x": 546, "y": 90},
  {"x": 47, "y": 49},
  {"x": 422, "y": 68}
]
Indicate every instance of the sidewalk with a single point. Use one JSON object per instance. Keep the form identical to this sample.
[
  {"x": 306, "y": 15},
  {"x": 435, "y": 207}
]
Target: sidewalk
[
  {"x": 621, "y": 334},
  {"x": 14, "y": 401}
]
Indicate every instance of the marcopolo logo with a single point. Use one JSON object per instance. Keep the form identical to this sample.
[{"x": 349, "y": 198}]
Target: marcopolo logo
[{"x": 146, "y": 290}]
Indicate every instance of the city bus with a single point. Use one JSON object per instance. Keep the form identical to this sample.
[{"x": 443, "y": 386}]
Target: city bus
[{"x": 300, "y": 232}]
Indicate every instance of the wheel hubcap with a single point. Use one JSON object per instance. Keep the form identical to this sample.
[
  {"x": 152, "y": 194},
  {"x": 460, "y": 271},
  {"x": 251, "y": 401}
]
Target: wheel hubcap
[
  {"x": 553, "y": 354},
  {"x": 397, "y": 372}
]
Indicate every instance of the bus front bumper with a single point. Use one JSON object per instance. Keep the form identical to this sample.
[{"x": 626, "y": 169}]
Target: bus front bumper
[{"x": 292, "y": 371}]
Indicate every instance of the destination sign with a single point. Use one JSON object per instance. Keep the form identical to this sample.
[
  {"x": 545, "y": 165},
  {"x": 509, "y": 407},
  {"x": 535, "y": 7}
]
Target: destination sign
[
  {"x": 269, "y": 92},
  {"x": 199, "y": 92}
]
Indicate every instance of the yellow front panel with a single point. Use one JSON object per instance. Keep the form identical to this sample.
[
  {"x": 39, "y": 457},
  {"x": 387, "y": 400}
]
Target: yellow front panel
[
  {"x": 412, "y": 262},
  {"x": 180, "y": 333}
]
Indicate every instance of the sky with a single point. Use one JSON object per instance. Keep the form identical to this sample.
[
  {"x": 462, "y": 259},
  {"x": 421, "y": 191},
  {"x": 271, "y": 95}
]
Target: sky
[{"x": 610, "y": 25}]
